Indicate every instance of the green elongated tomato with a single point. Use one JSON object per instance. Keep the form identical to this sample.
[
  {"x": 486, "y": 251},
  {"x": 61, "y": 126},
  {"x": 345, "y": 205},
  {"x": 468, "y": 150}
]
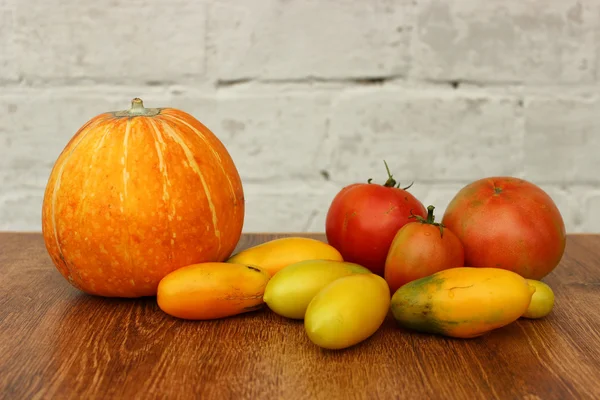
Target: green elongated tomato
[
  {"x": 462, "y": 302},
  {"x": 347, "y": 311},
  {"x": 289, "y": 292}
]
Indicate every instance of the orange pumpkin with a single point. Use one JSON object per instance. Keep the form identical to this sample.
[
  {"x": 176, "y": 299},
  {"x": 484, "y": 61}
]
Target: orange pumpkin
[{"x": 135, "y": 195}]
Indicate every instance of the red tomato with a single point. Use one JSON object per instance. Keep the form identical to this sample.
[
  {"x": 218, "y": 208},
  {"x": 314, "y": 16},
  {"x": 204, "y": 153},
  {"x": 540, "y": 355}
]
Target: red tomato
[
  {"x": 506, "y": 222},
  {"x": 364, "y": 217},
  {"x": 422, "y": 249}
]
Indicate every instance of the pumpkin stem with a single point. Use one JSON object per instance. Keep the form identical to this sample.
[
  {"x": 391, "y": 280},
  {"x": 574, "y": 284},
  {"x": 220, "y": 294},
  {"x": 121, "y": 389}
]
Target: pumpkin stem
[
  {"x": 138, "y": 109},
  {"x": 137, "y": 106}
]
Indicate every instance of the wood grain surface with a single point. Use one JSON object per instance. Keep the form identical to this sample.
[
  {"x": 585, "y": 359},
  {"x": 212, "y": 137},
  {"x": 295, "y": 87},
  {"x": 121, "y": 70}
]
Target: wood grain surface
[{"x": 58, "y": 343}]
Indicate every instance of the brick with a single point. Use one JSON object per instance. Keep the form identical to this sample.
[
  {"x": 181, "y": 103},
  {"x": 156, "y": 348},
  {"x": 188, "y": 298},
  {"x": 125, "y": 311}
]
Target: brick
[
  {"x": 562, "y": 140},
  {"x": 518, "y": 41},
  {"x": 270, "y": 136},
  {"x": 423, "y": 136},
  {"x": 288, "y": 207},
  {"x": 134, "y": 41},
  {"x": 8, "y": 68},
  {"x": 295, "y": 39}
]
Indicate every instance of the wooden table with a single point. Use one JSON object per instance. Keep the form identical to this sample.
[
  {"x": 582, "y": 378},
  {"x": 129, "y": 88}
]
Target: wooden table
[{"x": 58, "y": 343}]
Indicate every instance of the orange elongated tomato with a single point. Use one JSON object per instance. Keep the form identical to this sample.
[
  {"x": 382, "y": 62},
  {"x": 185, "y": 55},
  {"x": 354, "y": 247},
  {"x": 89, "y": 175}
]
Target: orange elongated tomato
[
  {"x": 212, "y": 290},
  {"x": 136, "y": 194},
  {"x": 276, "y": 254}
]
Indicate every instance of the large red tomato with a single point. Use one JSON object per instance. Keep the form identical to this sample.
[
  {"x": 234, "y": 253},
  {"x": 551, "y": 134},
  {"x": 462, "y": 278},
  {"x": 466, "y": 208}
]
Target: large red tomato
[
  {"x": 364, "y": 217},
  {"x": 509, "y": 223}
]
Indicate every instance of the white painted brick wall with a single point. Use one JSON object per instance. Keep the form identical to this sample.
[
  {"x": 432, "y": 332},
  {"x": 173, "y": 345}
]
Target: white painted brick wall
[{"x": 309, "y": 96}]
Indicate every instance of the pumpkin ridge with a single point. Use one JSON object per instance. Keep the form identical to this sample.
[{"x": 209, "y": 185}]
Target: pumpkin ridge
[
  {"x": 163, "y": 169},
  {"x": 83, "y": 132},
  {"x": 161, "y": 159},
  {"x": 194, "y": 166},
  {"x": 206, "y": 142},
  {"x": 124, "y": 164},
  {"x": 84, "y": 188},
  {"x": 124, "y": 198}
]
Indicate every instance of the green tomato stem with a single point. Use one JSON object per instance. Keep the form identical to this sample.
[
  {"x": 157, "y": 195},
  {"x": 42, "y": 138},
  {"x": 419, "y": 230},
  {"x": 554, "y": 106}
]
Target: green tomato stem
[
  {"x": 430, "y": 216},
  {"x": 390, "y": 181},
  {"x": 429, "y": 220}
]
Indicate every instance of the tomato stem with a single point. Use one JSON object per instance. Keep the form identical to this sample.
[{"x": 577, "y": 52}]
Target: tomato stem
[
  {"x": 391, "y": 182},
  {"x": 430, "y": 216},
  {"x": 429, "y": 220},
  {"x": 407, "y": 187}
]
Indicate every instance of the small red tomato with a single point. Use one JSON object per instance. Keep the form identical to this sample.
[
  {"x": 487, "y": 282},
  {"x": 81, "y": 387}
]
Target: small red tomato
[
  {"x": 363, "y": 219},
  {"x": 422, "y": 249}
]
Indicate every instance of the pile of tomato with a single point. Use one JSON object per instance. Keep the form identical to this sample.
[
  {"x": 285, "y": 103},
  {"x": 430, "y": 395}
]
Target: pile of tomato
[{"x": 499, "y": 222}]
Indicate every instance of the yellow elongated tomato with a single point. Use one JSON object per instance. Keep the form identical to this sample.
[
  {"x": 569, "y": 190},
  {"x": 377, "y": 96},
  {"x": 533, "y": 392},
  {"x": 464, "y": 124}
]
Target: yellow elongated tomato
[
  {"x": 462, "y": 302},
  {"x": 290, "y": 291},
  {"x": 347, "y": 311},
  {"x": 542, "y": 301},
  {"x": 212, "y": 290},
  {"x": 276, "y": 254}
]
